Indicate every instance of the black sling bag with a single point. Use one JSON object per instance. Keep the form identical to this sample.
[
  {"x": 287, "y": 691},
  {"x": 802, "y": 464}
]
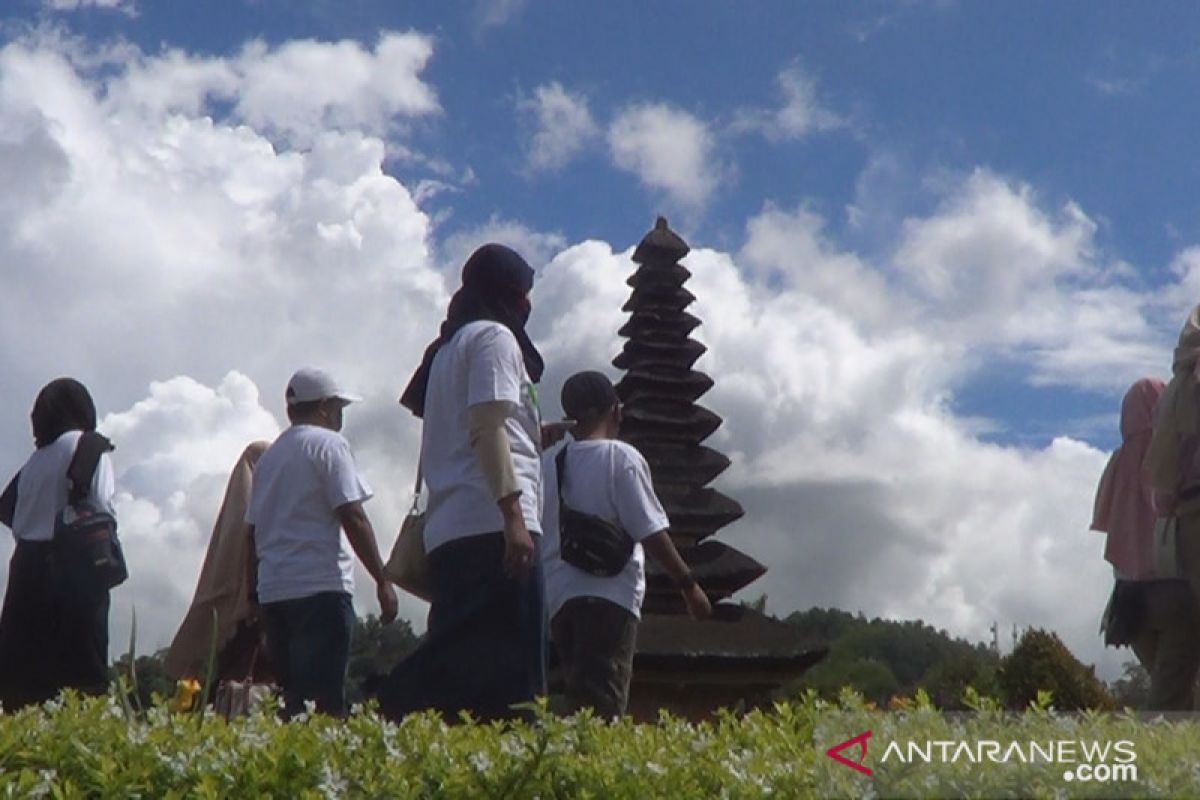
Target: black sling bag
[
  {"x": 588, "y": 542},
  {"x": 87, "y": 553}
]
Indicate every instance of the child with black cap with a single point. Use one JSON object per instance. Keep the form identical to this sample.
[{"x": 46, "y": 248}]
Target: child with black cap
[{"x": 594, "y": 618}]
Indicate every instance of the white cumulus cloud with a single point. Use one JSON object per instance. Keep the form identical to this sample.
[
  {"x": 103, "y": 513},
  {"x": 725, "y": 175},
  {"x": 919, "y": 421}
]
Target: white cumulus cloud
[
  {"x": 668, "y": 150},
  {"x": 562, "y": 127},
  {"x": 294, "y": 91},
  {"x": 127, "y": 7},
  {"x": 800, "y": 114}
]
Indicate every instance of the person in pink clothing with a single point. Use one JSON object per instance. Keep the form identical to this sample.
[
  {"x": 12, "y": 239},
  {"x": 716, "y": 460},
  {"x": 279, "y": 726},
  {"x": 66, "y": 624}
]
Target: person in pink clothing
[{"x": 1154, "y": 613}]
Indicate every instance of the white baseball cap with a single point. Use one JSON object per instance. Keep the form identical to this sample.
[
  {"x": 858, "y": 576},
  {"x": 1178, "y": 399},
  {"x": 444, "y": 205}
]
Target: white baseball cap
[{"x": 309, "y": 384}]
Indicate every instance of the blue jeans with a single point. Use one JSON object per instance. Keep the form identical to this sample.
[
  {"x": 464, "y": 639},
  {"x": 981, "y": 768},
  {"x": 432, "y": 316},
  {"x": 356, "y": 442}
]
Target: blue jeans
[{"x": 309, "y": 642}]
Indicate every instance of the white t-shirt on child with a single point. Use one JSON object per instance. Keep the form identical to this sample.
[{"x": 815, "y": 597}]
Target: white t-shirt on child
[
  {"x": 481, "y": 363},
  {"x": 610, "y": 479},
  {"x": 300, "y": 481}
]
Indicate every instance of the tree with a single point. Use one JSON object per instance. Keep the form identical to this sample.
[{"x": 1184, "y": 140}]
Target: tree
[
  {"x": 1132, "y": 689},
  {"x": 375, "y": 649},
  {"x": 152, "y": 678},
  {"x": 914, "y": 654},
  {"x": 1041, "y": 661}
]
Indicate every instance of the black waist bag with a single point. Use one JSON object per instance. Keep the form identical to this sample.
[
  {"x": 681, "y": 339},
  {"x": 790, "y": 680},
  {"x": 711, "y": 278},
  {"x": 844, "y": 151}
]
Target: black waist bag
[
  {"x": 588, "y": 542},
  {"x": 87, "y": 554}
]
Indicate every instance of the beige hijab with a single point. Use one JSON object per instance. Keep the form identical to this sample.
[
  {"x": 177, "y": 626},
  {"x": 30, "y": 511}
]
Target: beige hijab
[
  {"x": 1178, "y": 414},
  {"x": 223, "y": 578}
]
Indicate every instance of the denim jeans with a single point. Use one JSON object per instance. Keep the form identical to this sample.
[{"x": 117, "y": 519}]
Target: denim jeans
[{"x": 309, "y": 642}]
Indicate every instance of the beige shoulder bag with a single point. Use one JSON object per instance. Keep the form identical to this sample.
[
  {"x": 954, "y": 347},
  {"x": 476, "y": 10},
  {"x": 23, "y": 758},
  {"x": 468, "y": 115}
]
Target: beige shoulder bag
[{"x": 408, "y": 566}]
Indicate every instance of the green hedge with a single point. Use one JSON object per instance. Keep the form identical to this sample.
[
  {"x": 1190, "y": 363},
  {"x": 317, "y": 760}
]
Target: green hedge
[
  {"x": 98, "y": 747},
  {"x": 89, "y": 748}
]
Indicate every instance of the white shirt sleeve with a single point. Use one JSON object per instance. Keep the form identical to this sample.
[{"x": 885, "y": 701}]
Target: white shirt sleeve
[
  {"x": 339, "y": 475},
  {"x": 495, "y": 368},
  {"x": 639, "y": 511},
  {"x": 104, "y": 484}
]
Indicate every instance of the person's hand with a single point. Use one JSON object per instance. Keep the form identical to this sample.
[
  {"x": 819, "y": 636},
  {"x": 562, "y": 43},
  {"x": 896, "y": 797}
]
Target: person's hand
[
  {"x": 518, "y": 544},
  {"x": 553, "y": 432},
  {"x": 697, "y": 602},
  {"x": 389, "y": 606}
]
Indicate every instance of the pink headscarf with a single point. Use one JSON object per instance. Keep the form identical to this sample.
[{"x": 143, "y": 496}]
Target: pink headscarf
[{"x": 1124, "y": 507}]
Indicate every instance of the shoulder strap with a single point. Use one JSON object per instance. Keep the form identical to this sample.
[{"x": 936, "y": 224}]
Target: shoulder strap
[
  {"x": 560, "y": 470},
  {"x": 83, "y": 465},
  {"x": 416, "y": 501}
]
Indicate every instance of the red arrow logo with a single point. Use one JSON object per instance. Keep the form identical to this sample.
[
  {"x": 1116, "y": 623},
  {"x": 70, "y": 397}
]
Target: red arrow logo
[{"x": 835, "y": 752}]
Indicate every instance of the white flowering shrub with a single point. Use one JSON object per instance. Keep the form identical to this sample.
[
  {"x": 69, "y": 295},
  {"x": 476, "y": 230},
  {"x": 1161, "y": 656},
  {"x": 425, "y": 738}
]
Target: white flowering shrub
[{"x": 100, "y": 747}]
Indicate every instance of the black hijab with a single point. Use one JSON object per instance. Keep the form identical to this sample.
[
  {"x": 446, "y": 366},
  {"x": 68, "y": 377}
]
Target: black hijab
[
  {"x": 495, "y": 285},
  {"x": 62, "y": 405}
]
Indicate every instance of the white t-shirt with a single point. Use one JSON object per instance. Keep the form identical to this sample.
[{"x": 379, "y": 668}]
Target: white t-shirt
[
  {"x": 300, "y": 481},
  {"x": 610, "y": 479},
  {"x": 42, "y": 488},
  {"x": 482, "y": 363}
]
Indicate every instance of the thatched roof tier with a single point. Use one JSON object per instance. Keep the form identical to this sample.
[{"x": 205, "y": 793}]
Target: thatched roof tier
[
  {"x": 659, "y": 324},
  {"x": 644, "y": 352},
  {"x": 694, "y": 464},
  {"x": 734, "y": 635},
  {"x": 662, "y": 382},
  {"x": 720, "y": 570},
  {"x": 659, "y": 298},
  {"x": 670, "y": 275},
  {"x": 661, "y": 245},
  {"x": 695, "y": 513},
  {"x": 668, "y": 421}
]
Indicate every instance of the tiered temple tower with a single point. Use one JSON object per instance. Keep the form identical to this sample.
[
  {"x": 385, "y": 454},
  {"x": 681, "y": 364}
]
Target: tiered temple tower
[{"x": 739, "y": 655}]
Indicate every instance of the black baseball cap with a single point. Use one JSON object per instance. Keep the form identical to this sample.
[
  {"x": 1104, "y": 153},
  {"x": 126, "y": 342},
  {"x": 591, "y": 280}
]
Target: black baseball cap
[{"x": 588, "y": 394}]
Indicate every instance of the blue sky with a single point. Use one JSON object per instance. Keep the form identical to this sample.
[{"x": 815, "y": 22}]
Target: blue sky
[
  {"x": 1082, "y": 100},
  {"x": 933, "y": 243}
]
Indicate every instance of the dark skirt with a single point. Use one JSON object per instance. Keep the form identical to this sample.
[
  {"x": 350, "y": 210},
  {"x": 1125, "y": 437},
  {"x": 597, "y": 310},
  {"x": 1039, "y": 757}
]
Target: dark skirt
[
  {"x": 485, "y": 646},
  {"x": 50, "y": 639}
]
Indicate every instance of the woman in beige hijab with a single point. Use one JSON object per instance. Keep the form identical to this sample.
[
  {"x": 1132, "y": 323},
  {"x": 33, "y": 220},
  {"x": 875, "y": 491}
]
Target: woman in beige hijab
[
  {"x": 224, "y": 587},
  {"x": 1174, "y": 455}
]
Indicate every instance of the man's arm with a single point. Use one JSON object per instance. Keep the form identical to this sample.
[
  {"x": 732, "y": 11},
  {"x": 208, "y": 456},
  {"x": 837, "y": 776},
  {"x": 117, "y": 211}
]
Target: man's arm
[
  {"x": 662, "y": 550},
  {"x": 362, "y": 540}
]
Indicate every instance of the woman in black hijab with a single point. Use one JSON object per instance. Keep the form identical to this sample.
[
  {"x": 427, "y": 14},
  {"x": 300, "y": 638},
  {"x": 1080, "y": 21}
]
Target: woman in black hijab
[
  {"x": 481, "y": 440},
  {"x": 496, "y": 283},
  {"x": 49, "y": 641}
]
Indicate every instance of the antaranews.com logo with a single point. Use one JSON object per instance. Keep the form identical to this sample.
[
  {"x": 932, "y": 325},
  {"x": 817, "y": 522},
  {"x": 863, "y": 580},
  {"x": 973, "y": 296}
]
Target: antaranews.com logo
[{"x": 1083, "y": 760}]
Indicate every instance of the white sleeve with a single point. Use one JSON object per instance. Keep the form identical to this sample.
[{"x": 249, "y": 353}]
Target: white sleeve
[
  {"x": 339, "y": 475},
  {"x": 495, "y": 368},
  {"x": 103, "y": 484},
  {"x": 638, "y": 509}
]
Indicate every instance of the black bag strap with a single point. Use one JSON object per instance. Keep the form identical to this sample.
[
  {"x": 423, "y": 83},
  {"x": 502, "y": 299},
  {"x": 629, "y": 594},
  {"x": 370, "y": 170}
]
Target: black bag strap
[
  {"x": 8, "y": 502},
  {"x": 560, "y": 469},
  {"x": 82, "y": 469}
]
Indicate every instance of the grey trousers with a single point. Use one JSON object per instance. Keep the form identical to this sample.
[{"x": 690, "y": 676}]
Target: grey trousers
[
  {"x": 595, "y": 640},
  {"x": 1169, "y": 647},
  {"x": 1168, "y": 644}
]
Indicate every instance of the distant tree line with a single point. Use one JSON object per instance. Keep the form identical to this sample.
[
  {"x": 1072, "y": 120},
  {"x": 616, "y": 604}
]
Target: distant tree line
[
  {"x": 885, "y": 659},
  {"x": 881, "y": 659}
]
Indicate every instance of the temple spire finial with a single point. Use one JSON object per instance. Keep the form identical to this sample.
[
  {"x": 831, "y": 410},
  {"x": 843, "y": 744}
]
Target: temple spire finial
[{"x": 661, "y": 245}]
